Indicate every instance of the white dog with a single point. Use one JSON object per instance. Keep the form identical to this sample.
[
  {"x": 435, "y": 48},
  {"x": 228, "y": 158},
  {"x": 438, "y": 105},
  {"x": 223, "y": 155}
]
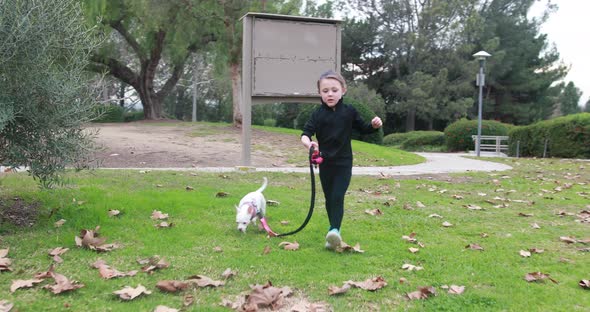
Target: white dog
[{"x": 252, "y": 207}]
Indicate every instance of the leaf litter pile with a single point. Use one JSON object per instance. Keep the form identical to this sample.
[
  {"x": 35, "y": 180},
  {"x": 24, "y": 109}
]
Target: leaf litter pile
[{"x": 268, "y": 297}]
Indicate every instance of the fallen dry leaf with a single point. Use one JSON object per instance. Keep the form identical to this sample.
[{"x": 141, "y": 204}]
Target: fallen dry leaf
[
  {"x": 335, "y": 290},
  {"x": 89, "y": 239},
  {"x": 164, "y": 224},
  {"x": 221, "y": 194},
  {"x": 371, "y": 284},
  {"x": 344, "y": 247},
  {"x": 188, "y": 300},
  {"x": 447, "y": 224},
  {"x": 162, "y": 308},
  {"x": 419, "y": 204},
  {"x": 473, "y": 207},
  {"x": 456, "y": 290},
  {"x": 228, "y": 273},
  {"x": 189, "y": 188},
  {"x": 130, "y": 293},
  {"x": 59, "y": 223},
  {"x": 434, "y": 215},
  {"x": 204, "y": 281},
  {"x": 57, "y": 252},
  {"x": 217, "y": 249},
  {"x": 266, "y": 250},
  {"x": 62, "y": 284},
  {"x": 108, "y": 272},
  {"x": 374, "y": 212},
  {"x": 17, "y": 284},
  {"x": 410, "y": 238},
  {"x": 154, "y": 263},
  {"x": 535, "y": 226},
  {"x": 422, "y": 293},
  {"x": 6, "y": 306},
  {"x": 525, "y": 254},
  {"x": 457, "y": 196},
  {"x": 413, "y": 250},
  {"x": 567, "y": 239},
  {"x": 265, "y": 296},
  {"x": 538, "y": 277},
  {"x": 114, "y": 212},
  {"x": 289, "y": 245},
  {"x": 521, "y": 214},
  {"x": 411, "y": 267},
  {"x": 172, "y": 286},
  {"x": 474, "y": 247},
  {"x": 158, "y": 215},
  {"x": 5, "y": 261},
  {"x": 584, "y": 284},
  {"x": 272, "y": 202}
]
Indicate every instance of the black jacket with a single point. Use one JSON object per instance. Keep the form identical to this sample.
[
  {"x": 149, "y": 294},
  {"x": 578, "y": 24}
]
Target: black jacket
[{"x": 333, "y": 130}]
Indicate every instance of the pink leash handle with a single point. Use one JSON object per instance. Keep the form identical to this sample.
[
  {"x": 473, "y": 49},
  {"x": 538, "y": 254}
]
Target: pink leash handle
[{"x": 270, "y": 232}]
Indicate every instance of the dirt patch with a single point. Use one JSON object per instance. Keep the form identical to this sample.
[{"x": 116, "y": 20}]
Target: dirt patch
[
  {"x": 186, "y": 145},
  {"x": 17, "y": 212}
]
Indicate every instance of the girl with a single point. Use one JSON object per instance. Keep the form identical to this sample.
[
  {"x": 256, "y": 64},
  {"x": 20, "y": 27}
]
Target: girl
[{"x": 332, "y": 124}]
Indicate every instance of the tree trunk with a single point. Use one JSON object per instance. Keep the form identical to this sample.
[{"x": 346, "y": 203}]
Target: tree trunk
[
  {"x": 411, "y": 119},
  {"x": 236, "y": 85}
]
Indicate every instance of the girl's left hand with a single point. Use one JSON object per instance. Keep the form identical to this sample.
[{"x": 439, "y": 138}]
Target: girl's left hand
[{"x": 376, "y": 123}]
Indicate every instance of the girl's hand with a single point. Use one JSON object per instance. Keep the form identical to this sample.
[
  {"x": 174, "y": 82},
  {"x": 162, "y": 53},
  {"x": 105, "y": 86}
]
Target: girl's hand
[
  {"x": 376, "y": 123},
  {"x": 315, "y": 145}
]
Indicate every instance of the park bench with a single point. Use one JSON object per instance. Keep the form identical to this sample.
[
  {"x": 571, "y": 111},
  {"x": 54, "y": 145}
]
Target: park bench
[{"x": 492, "y": 143}]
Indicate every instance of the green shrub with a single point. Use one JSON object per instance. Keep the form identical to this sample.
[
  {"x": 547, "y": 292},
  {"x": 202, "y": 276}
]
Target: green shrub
[
  {"x": 566, "y": 137},
  {"x": 458, "y": 134},
  {"x": 364, "y": 111},
  {"x": 133, "y": 115},
  {"x": 109, "y": 113},
  {"x": 269, "y": 122},
  {"x": 417, "y": 137},
  {"x": 422, "y": 139}
]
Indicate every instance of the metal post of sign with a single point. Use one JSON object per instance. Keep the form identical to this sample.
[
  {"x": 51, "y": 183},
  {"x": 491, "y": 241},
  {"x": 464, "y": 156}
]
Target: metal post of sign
[{"x": 481, "y": 57}]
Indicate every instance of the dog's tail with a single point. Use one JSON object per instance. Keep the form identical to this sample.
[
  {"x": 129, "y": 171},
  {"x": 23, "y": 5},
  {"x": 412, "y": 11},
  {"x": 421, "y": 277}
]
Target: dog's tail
[{"x": 261, "y": 189}]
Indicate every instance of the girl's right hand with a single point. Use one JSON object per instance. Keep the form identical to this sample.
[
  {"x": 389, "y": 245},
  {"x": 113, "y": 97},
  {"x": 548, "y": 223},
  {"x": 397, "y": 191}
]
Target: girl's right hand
[{"x": 315, "y": 145}]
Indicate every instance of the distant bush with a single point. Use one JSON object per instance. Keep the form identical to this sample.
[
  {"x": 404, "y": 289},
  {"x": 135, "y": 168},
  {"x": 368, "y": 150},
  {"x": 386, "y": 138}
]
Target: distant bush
[
  {"x": 458, "y": 134},
  {"x": 416, "y": 140},
  {"x": 133, "y": 115},
  {"x": 366, "y": 113},
  {"x": 269, "y": 122},
  {"x": 567, "y": 137},
  {"x": 109, "y": 113}
]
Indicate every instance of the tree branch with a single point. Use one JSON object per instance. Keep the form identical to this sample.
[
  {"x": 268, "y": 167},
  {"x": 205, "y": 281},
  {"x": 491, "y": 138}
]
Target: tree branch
[
  {"x": 118, "y": 26},
  {"x": 115, "y": 68}
]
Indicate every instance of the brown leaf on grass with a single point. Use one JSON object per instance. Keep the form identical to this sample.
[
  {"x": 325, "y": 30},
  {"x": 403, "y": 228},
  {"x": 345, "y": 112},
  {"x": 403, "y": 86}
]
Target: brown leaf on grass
[
  {"x": 410, "y": 238},
  {"x": 172, "y": 286},
  {"x": 204, "y": 281},
  {"x": 221, "y": 194},
  {"x": 284, "y": 222},
  {"x": 335, "y": 290},
  {"x": 89, "y": 239},
  {"x": 568, "y": 239},
  {"x": 289, "y": 245},
  {"x": 266, "y": 250},
  {"x": 17, "y": 284},
  {"x": 62, "y": 284},
  {"x": 271, "y": 202},
  {"x": 434, "y": 215},
  {"x": 164, "y": 224},
  {"x": 162, "y": 308},
  {"x": 535, "y": 226},
  {"x": 5, "y": 262},
  {"x": 447, "y": 224},
  {"x": 483, "y": 235},
  {"x": 189, "y": 188},
  {"x": 228, "y": 273},
  {"x": 108, "y": 272},
  {"x": 130, "y": 293},
  {"x": 59, "y": 223},
  {"x": 56, "y": 252},
  {"x": 407, "y": 206},
  {"x": 524, "y": 253},
  {"x": 371, "y": 284},
  {"x": 410, "y": 267},
  {"x": 154, "y": 263},
  {"x": 374, "y": 212},
  {"x": 455, "y": 196},
  {"x": 6, "y": 306},
  {"x": 538, "y": 277},
  {"x": 413, "y": 250},
  {"x": 344, "y": 247},
  {"x": 158, "y": 215},
  {"x": 114, "y": 212},
  {"x": 188, "y": 300},
  {"x": 474, "y": 247},
  {"x": 265, "y": 296},
  {"x": 536, "y": 250},
  {"x": 585, "y": 284},
  {"x": 456, "y": 290},
  {"x": 422, "y": 293},
  {"x": 522, "y": 214},
  {"x": 419, "y": 204},
  {"x": 473, "y": 207}
]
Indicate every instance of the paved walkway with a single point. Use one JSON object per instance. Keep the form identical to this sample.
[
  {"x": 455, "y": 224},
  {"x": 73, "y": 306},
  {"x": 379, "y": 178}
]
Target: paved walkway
[{"x": 435, "y": 163}]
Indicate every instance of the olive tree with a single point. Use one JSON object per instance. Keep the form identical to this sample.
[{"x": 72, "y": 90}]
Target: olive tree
[{"x": 45, "y": 93}]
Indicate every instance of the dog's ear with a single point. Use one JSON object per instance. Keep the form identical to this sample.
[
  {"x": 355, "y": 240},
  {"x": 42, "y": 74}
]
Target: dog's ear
[{"x": 251, "y": 210}]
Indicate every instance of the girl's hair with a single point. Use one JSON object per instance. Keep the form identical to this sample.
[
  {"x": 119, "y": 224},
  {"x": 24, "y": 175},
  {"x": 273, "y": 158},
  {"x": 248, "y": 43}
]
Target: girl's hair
[{"x": 330, "y": 74}]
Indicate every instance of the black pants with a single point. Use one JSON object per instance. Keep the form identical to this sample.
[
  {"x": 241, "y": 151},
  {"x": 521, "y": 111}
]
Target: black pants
[{"x": 335, "y": 181}]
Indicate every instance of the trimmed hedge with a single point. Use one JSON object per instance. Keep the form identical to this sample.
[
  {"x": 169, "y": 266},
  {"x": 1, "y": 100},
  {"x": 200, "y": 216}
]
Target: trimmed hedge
[
  {"x": 415, "y": 140},
  {"x": 458, "y": 134},
  {"x": 109, "y": 113},
  {"x": 366, "y": 113},
  {"x": 567, "y": 137}
]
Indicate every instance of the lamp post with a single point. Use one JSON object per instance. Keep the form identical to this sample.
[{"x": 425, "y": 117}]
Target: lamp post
[{"x": 480, "y": 81}]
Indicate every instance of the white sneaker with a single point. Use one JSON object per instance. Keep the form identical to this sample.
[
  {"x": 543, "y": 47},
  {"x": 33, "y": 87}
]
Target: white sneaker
[{"x": 333, "y": 239}]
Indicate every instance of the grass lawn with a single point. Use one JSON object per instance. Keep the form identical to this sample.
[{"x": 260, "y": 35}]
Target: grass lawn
[{"x": 532, "y": 206}]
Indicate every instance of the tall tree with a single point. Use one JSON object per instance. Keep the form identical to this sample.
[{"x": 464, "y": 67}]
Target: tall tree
[
  {"x": 569, "y": 99},
  {"x": 156, "y": 33},
  {"x": 45, "y": 93},
  {"x": 401, "y": 46},
  {"x": 523, "y": 68}
]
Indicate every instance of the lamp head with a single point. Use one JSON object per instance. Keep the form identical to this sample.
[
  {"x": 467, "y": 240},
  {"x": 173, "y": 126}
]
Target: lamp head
[{"x": 481, "y": 55}]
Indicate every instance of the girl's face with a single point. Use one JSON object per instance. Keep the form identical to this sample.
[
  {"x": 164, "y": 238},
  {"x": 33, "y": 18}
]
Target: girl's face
[{"x": 331, "y": 91}]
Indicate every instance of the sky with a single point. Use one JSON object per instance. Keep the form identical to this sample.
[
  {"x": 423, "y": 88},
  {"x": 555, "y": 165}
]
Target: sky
[{"x": 567, "y": 29}]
